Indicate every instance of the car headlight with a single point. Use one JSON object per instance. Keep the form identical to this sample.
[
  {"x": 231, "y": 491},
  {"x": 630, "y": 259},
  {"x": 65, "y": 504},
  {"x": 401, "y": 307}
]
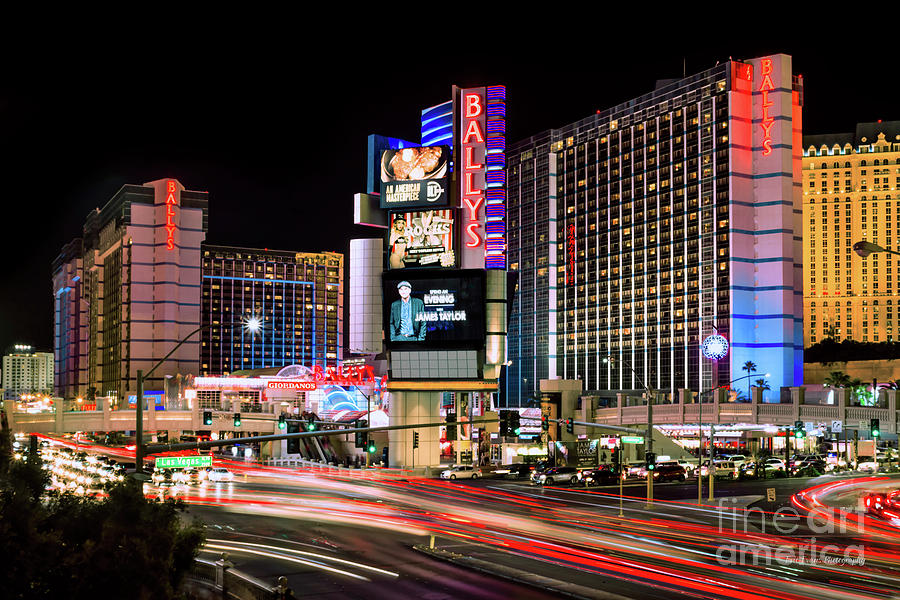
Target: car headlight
[{"x": 542, "y": 477}]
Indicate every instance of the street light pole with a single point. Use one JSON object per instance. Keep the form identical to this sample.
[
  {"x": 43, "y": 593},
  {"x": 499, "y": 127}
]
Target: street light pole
[
  {"x": 649, "y": 447},
  {"x": 253, "y": 325}
]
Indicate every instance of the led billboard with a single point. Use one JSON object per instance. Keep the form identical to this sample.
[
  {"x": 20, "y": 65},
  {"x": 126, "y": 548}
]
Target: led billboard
[
  {"x": 434, "y": 309},
  {"x": 421, "y": 239},
  {"x": 415, "y": 177}
]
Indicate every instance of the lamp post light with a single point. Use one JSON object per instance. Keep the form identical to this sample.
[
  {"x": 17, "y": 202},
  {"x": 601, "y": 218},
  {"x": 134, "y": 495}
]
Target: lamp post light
[
  {"x": 711, "y": 469},
  {"x": 252, "y": 325},
  {"x": 865, "y": 248},
  {"x": 649, "y": 447}
]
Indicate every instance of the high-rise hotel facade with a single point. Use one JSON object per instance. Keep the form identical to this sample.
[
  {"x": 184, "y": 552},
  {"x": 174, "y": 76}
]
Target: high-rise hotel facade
[
  {"x": 297, "y": 296},
  {"x": 850, "y": 194},
  {"x": 642, "y": 230},
  {"x": 128, "y": 291},
  {"x": 141, "y": 279}
]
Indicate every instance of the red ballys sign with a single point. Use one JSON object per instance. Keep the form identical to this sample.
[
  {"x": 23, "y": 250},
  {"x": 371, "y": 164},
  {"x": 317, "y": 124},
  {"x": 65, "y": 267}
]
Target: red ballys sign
[
  {"x": 352, "y": 375},
  {"x": 303, "y": 386},
  {"x": 473, "y": 151},
  {"x": 171, "y": 203},
  {"x": 766, "y": 86}
]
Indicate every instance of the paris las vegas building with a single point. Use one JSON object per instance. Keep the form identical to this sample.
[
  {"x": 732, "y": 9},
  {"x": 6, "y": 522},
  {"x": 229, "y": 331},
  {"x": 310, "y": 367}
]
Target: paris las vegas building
[
  {"x": 641, "y": 230},
  {"x": 142, "y": 278},
  {"x": 850, "y": 183}
]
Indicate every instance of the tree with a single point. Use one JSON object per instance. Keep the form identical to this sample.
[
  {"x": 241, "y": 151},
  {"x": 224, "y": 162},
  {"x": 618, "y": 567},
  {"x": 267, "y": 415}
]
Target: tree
[
  {"x": 837, "y": 379},
  {"x": 763, "y": 385},
  {"x": 750, "y": 367},
  {"x": 67, "y": 546}
]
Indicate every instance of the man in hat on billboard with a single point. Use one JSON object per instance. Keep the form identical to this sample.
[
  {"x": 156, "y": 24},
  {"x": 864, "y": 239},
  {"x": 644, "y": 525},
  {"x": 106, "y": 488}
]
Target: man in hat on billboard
[{"x": 406, "y": 324}]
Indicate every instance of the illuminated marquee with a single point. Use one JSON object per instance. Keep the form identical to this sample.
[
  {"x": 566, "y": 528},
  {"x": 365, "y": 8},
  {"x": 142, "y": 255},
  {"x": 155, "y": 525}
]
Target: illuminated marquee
[
  {"x": 303, "y": 386},
  {"x": 171, "y": 203},
  {"x": 766, "y": 86},
  {"x": 483, "y": 173},
  {"x": 571, "y": 240}
]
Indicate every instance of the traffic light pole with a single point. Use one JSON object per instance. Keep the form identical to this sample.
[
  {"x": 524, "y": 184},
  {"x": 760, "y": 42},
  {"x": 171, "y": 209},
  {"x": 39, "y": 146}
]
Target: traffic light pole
[
  {"x": 650, "y": 447},
  {"x": 159, "y": 448}
]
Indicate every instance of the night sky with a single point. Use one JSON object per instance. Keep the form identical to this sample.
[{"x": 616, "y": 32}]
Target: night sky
[{"x": 276, "y": 131}]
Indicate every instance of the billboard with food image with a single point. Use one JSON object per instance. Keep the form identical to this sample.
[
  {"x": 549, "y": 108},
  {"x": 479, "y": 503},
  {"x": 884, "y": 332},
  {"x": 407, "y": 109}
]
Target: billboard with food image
[
  {"x": 415, "y": 177},
  {"x": 421, "y": 239}
]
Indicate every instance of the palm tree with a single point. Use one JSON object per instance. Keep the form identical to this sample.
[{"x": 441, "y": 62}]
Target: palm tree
[
  {"x": 763, "y": 385},
  {"x": 750, "y": 367},
  {"x": 837, "y": 379}
]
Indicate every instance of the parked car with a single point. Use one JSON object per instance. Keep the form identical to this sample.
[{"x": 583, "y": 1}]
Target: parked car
[
  {"x": 514, "y": 471},
  {"x": 635, "y": 470},
  {"x": 461, "y": 472},
  {"x": 737, "y": 459},
  {"x": 220, "y": 474},
  {"x": 602, "y": 475},
  {"x": 669, "y": 471},
  {"x": 190, "y": 476},
  {"x": 557, "y": 475},
  {"x": 884, "y": 505},
  {"x": 162, "y": 477},
  {"x": 866, "y": 464}
]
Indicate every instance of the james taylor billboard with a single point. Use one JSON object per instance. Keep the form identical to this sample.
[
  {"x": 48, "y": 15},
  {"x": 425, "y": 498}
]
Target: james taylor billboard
[
  {"x": 434, "y": 309},
  {"x": 415, "y": 177},
  {"x": 421, "y": 239}
]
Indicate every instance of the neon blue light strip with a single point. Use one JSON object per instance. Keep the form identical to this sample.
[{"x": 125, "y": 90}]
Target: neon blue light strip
[{"x": 260, "y": 280}]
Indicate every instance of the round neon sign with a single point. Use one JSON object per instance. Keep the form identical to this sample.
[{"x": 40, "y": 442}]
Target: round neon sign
[{"x": 715, "y": 347}]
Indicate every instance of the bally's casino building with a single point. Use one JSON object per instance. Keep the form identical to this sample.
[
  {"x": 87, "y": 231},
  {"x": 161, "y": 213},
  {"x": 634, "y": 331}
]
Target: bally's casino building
[{"x": 644, "y": 229}]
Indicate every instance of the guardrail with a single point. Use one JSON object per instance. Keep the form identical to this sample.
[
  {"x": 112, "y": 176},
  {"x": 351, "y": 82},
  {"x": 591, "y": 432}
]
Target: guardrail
[{"x": 221, "y": 577}]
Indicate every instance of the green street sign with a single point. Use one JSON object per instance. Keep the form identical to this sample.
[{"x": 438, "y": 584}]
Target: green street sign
[
  {"x": 183, "y": 462},
  {"x": 632, "y": 439}
]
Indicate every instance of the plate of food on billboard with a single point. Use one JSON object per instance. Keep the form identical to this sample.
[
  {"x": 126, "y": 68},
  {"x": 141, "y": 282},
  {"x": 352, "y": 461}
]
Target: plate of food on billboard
[
  {"x": 421, "y": 239},
  {"x": 415, "y": 177},
  {"x": 434, "y": 309}
]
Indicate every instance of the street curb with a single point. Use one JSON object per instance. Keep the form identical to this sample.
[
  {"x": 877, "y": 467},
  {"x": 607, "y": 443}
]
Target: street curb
[{"x": 523, "y": 577}]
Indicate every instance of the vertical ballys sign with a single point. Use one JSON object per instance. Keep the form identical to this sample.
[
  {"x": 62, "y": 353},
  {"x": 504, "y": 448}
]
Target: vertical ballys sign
[
  {"x": 766, "y": 86},
  {"x": 481, "y": 176},
  {"x": 171, "y": 203}
]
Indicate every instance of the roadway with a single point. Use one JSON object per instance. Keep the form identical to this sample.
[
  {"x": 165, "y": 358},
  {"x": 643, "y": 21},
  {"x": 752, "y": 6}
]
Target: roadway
[{"x": 348, "y": 534}]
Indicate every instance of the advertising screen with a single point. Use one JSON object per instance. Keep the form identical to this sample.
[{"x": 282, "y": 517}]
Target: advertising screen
[
  {"x": 421, "y": 239},
  {"x": 415, "y": 177},
  {"x": 434, "y": 309}
]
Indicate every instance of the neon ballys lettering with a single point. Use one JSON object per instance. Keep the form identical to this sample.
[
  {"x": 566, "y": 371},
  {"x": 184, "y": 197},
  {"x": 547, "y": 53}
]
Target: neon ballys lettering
[
  {"x": 473, "y": 196},
  {"x": 765, "y": 87},
  {"x": 171, "y": 203}
]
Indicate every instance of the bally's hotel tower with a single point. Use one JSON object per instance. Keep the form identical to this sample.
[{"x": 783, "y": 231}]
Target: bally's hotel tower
[{"x": 640, "y": 231}]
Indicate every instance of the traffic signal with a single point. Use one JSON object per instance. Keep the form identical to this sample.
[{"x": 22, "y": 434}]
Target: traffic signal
[
  {"x": 616, "y": 460},
  {"x": 514, "y": 426},
  {"x": 282, "y": 422},
  {"x": 415, "y": 439},
  {"x": 370, "y": 447},
  {"x": 799, "y": 430},
  {"x": 504, "y": 423},
  {"x": 651, "y": 461},
  {"x": 451, "y": 426},
  {"x": 293, "y": 444},
  {"x": 545, "y": 422},
  {"x": 570, "y": 426},
  {"x": 875, "y": 427},
  {"x": 207, "y": 417},
  {"x": 311, "y": 424},
  {"x": 360, "y": 441},
  {"x": 237, "y": 419}
]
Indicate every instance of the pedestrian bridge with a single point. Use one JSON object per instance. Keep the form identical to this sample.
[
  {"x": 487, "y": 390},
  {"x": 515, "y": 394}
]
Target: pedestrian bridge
[
  {"x": 70, "y": 421},
  {"x": 754, "y": 412}
]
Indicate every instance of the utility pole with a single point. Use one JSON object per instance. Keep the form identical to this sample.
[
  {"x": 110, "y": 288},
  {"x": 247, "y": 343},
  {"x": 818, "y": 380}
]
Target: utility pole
[
  {"x": 139, "y": 424},
  {"x": 711, "y": 470},
  {"x": 700, "y": 452},
  {"x": 649, "y": 444}
]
